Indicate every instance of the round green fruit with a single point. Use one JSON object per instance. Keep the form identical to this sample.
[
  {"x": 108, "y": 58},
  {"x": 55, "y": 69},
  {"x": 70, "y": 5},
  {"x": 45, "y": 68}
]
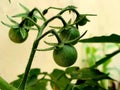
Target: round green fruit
[
  {"x": 65, "y": 56},
  {"x": 70, "y": 34},
  {"x": 15, "y": 35}
]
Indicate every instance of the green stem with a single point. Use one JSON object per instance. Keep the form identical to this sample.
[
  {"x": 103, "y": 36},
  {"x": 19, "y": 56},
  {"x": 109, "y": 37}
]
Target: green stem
[
  {"x": 55, "y": 8},
  {"x": 35, "y": 9},
  {"x": 53, "y": 32},
  {"x": 69, "y": 9},
  {"x": 49, "y": 20},
  {"x": 22, "y": 85},
  {"x": 35, "y": 44},
  {"x": 6, "y": 86}
]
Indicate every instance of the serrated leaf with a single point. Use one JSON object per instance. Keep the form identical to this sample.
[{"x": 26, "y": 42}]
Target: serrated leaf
[
  {"x": 61, "y": 82},
  {"x": 113, "y": 38},
  {"x": 88, "y": 74}
]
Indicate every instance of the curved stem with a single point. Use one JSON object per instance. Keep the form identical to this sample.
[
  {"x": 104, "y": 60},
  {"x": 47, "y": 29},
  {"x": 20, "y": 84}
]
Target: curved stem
[
  {"x": 53, "y": 32},
  {"x": 35, "y": 44},
  {"x": 55, "y": 8},
  {"x": 34, "y": 47},
  {"x": 69, "y": 9},
  {"x": 35, "y": 9},
  {"x": 22, "y": 23},
  {"x": 22, "y": 85},
  {"x": 46, "y": 23}
]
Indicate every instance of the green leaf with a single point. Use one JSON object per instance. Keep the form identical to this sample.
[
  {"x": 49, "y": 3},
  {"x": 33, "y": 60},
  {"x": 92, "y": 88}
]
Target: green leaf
[
  {"x": 88, "y": 85},
  {"x": 88, "y": 74},
  {"x": 106, "y": 58},
  {"x": 32, "y": 78},
  {"x": 39, "y": 85},
  {"x": 113, "y": 38},
  {"x": 60, "y": 80},
  {"x": 71, "y": 70}
]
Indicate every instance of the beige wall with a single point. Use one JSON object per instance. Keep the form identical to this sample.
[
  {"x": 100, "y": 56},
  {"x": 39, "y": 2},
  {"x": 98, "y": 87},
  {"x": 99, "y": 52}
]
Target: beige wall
[{"x": 13, "y": 57}]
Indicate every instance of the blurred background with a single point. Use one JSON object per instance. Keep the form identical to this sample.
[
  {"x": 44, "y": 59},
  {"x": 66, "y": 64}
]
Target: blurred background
[{"x": 14, "y": 57}]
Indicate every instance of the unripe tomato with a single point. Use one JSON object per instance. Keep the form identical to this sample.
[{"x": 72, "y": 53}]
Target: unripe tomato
[
  {"x": 65, "y": 56},
  {"x": 70, "y": 34},
  {"x": 15, "y": 35}
]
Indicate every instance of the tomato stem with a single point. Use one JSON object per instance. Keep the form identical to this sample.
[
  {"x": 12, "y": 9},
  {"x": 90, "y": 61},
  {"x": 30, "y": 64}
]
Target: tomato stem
[
  {"x": 35, "y": 45},
  {"x": 22, "y": 85},
  {"x": 53, "y": 32},
  {"x": 35, "y": 9}
]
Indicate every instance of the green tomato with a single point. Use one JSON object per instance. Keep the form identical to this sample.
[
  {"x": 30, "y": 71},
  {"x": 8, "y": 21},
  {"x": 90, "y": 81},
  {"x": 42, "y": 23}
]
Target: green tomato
[
  {"x": 16, "y": 36},
  {"x": 65, "y": 56},
  {"x": 70, "y": 34}
]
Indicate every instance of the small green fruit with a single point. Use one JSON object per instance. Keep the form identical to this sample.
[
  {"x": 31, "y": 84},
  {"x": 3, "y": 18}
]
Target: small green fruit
[
  {"x": 15, "y": 35},
  {"x": 65, "y": 56},
  {"x": 70, "y": 34}
]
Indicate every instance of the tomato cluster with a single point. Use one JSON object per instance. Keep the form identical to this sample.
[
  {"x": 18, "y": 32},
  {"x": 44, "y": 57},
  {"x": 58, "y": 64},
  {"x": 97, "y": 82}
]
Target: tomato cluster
[
  {"x": 67, "y": 55},
  {"x": 69, "y": 35}
]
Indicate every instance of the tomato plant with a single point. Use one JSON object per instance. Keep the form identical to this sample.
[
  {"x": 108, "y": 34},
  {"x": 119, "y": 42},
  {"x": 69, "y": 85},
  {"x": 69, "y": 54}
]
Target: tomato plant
[{"x": 64, "y": 53}]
